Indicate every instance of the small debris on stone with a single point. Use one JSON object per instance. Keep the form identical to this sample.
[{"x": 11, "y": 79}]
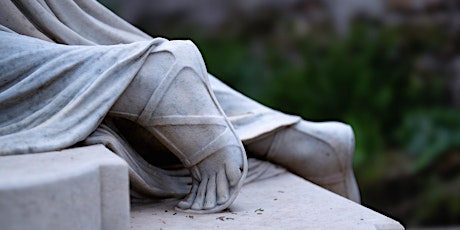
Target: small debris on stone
[
  {"x": 223, "y": 218},
  {"x": 259, "y": 211},
  {"x": 190, "y": 216}
]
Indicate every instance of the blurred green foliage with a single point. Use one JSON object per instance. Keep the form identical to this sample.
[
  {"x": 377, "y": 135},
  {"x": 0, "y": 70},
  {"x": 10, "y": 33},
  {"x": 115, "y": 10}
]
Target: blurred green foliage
[
  {"x": 371, "y": 79},
  {"x": 408, "y": 131},
  {"x": 429, "y": 133},
  {"x": 366, "y": 79}
]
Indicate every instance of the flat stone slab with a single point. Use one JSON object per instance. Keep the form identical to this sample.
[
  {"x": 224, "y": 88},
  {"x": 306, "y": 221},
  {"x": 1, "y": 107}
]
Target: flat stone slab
[
  {"x": 87, "y": 188},
  {"x": 281, "y": 202},
  {"x": 80, "y": 188}
]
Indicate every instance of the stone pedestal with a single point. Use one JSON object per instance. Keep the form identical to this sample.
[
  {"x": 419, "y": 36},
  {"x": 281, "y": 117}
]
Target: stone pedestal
[
  {"x": 87, "y": 188},
  {"x": 281, "y": 202},
  {"x": 82, "y": 188}
]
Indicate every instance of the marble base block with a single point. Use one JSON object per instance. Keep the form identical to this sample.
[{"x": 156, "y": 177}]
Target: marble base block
[
  {"x": 81, "y": 188},
  {"x": 87, "y": 188},
  {"x": 282, "y": 202}
]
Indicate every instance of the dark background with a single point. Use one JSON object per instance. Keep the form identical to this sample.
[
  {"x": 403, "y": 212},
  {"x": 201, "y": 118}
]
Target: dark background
[{"x": 390, "y": 68}]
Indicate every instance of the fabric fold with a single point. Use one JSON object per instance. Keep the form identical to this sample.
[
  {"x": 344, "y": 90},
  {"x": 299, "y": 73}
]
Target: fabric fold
[{"x": 64, "y": 63}]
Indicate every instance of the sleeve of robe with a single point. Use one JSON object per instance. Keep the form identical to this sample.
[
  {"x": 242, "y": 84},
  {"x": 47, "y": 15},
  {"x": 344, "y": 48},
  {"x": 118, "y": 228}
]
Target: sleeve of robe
[{"x": 53, "y": 96}]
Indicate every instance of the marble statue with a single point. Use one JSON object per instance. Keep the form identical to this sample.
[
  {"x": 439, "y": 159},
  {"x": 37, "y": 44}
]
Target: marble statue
[{"x": 73, "y": 73}]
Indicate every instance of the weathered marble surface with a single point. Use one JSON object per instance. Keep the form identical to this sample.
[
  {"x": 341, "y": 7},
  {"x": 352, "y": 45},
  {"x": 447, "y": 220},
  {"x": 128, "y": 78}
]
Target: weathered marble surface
[
  {"x": 78, "y": 73},
  {"x": 262, "y": 205},
  {"x": 81, "y": 188},
  {"x": 67, "y": 67},
  {"x": 87, "y": 188}
]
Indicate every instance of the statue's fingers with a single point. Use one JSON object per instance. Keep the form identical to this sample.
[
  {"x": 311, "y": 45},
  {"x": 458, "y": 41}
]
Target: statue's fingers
[
  {"x": 210, "y": 200},
  {"x": 233, "y": 171},
  {"x": 201, "y": 193},
  {"x": 187, "y": 202},
  {"x": 222, "y": 187}
]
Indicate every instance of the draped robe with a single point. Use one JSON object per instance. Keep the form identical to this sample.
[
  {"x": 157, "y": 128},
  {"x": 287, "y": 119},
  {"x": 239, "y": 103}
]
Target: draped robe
[{"x": 64, "y": 63}]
